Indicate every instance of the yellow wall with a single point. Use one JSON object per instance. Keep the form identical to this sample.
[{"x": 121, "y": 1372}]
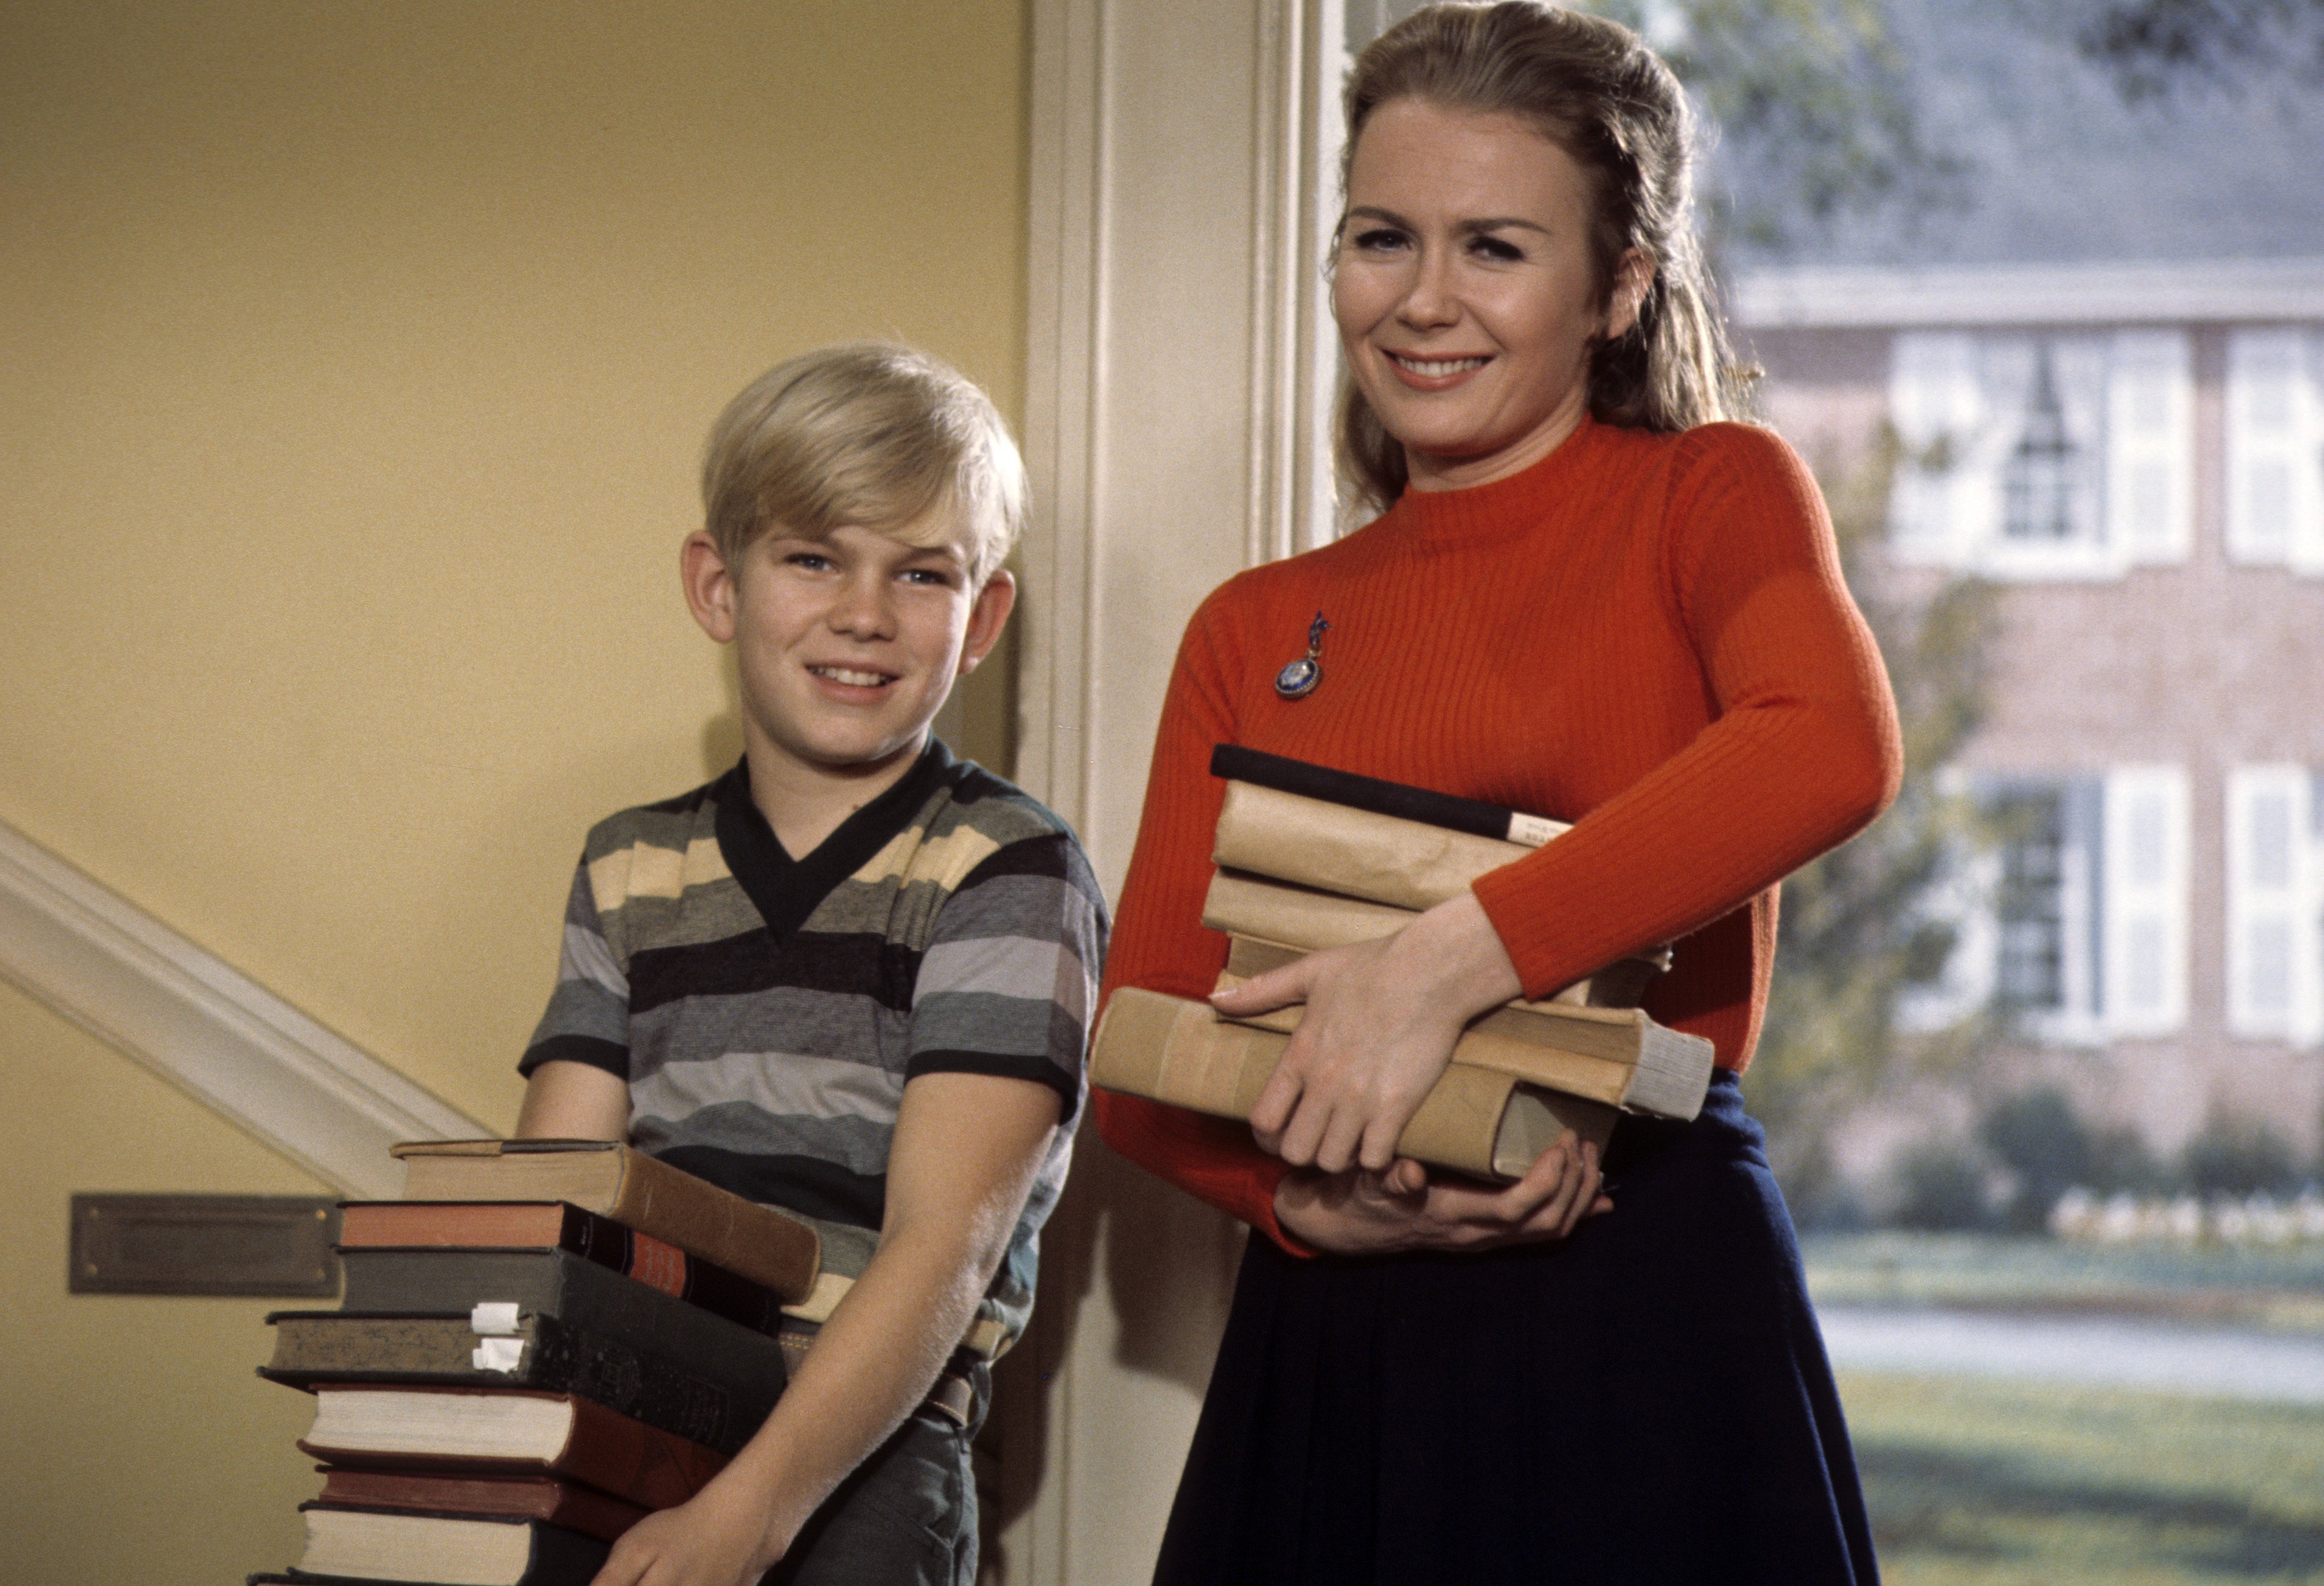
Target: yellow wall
[{"x": 358, "y": 358}]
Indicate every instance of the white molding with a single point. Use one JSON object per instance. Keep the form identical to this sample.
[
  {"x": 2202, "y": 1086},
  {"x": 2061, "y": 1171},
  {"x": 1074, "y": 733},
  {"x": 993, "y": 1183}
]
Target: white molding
[
  {"x": 1175, "y": 318},
  {"x": 124, "y": 976},
  {"x": 1870, "y": 297}
]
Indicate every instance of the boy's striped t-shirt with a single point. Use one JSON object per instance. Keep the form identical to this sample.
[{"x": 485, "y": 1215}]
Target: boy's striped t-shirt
[{"x": 768, "y": 1011}]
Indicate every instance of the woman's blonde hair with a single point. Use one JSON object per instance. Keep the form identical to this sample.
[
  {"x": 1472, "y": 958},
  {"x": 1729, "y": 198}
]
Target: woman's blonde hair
[
  {"x": 1592, "y": 87},
  {"x": 867, "y": 434}
]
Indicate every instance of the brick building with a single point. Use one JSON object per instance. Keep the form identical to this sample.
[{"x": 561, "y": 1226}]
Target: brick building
[{"x": 2135, "y": 453}]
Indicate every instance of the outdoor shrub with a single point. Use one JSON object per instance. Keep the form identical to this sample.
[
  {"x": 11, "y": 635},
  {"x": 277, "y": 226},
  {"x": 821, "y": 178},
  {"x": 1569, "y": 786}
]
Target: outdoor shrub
[
  {"x": 2233, "y": 1156},
  {"x": 2037, "y": 1137},
  {"x": 1941, "y": 1187}
]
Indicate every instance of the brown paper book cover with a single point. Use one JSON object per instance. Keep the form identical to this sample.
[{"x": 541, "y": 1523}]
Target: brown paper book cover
[
  {"x": 631, "y": 1188},
  {"x": 1618, "y": 1055},
  {"x": 1307, "y": 920},
  {"x": 1476, "y": 1121}
]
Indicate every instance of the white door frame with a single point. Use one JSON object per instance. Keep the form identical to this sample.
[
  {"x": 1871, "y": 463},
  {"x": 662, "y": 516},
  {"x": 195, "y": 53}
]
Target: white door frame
[{"x": 1179, "y": 364}]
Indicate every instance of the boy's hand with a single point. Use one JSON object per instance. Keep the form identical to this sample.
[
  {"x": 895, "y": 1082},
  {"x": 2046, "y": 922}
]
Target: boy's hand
[{"x": 721, "y": 1536}]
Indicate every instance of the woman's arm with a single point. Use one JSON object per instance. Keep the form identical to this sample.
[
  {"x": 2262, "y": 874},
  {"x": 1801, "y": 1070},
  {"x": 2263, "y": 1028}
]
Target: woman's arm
[
  {"x": 966, "y": 1151},
  {"x": 1802, "y": 752}
]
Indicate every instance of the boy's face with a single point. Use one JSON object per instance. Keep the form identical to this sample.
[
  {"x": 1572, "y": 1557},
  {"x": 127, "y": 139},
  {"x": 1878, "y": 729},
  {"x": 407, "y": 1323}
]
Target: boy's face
[{"x": 846, "y": 646}]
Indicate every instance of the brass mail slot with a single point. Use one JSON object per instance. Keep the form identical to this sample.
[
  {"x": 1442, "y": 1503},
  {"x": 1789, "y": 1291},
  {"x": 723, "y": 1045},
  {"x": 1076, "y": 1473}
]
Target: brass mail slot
[{"x": 253, "y": 1245}]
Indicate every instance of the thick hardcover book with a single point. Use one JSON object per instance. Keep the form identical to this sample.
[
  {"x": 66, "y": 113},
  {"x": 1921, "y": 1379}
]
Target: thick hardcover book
[
  {"x": 1395, "y": 799},
  {"x": 631, "y": 1188},
  {"x": 511, "y": 1225},
  {"x": 1617, "y": 1055},
  {"x": 506, "y": 1433},
  {"x": 1476, "y": 1121},
  {"x": 717, "y": 1399},
  {"x": 366, "y": 1544},
  {"x": 499, "y": 1497},
  {"x": 578, "y": 1292}
]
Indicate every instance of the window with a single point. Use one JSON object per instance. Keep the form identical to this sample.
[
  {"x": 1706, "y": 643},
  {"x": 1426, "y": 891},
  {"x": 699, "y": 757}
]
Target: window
[
  {"x": 2073, "y": 920},
  {"x": 2275, "y": 904},
  {"x": 2042, "y": 456},
  {"x": 2275, "y": 448}
]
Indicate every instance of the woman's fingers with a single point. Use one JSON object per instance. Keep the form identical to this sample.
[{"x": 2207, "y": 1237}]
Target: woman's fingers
[
  {"x": 1263, "y": 993},
  {"x": 1272, "y": 1112}
]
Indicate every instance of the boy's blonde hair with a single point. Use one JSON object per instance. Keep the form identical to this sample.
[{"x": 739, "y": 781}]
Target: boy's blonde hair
[{"x": 867, "y": 434}]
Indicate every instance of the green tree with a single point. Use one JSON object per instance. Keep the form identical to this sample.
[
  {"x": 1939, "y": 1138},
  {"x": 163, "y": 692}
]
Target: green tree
[
  {"x": 1857, "y": 931},
  {"x": 1812, "y": 96},
  {"x": 2159, "y": 47}
]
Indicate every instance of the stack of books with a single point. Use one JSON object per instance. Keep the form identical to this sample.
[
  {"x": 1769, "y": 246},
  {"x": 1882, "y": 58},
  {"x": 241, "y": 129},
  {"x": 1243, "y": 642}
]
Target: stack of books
[
  {"x": 543, "y": 1342},
  {"x": 1312, "y": 858}
]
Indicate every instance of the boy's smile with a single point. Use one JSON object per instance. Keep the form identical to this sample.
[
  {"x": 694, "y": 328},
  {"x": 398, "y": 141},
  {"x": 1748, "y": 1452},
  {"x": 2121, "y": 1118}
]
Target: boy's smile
[{"x": 846, "y": 648}]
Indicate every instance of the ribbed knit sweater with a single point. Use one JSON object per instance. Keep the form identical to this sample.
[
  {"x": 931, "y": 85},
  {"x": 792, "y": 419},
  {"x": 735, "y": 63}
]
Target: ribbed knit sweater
[{"x": 1647, "y": 635}]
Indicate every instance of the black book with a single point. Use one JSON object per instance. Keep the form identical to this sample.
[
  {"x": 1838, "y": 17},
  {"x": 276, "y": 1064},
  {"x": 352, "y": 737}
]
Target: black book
[
  {"x": 1236, "y": 763},
  {"x": 704, "y": 1378}
]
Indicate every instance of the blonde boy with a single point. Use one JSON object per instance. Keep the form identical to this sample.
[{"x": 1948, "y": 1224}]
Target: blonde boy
[{"x": 851, "y": 977}]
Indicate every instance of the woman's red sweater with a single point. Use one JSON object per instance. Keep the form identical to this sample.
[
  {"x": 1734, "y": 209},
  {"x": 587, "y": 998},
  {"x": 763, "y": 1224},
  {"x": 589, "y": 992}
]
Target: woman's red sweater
[{"x": 1645, "y": 635}]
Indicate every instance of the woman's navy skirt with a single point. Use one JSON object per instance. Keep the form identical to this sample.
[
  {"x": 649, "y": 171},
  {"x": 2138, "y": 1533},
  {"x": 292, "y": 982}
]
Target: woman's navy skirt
[{"x": 1647, "y": 1402}]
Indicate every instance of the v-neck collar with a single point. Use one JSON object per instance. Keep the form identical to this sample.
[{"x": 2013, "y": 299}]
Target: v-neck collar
[{"x": 786, "y": 890}]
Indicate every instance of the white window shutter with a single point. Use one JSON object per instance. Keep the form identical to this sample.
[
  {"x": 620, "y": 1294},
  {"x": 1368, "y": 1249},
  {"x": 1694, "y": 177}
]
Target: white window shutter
[
  {"x": 2150, "y": 452},
  {"x": 1961, "y": 900},
  {"x": 2275, "y": 450},
  {"x": 2275, "y": 937},
  {"x": 1941, "y": 503},
  {"x": 2145, "y": 898}
]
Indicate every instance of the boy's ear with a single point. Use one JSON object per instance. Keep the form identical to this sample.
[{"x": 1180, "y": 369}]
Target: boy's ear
[
  {"x": 987, "y": 617},
  {"x": 709, "y": 585}
]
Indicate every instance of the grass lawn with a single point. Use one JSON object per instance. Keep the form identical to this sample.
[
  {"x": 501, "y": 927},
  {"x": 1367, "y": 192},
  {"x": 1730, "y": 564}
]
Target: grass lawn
[{"x": 1977, "y": 1482}]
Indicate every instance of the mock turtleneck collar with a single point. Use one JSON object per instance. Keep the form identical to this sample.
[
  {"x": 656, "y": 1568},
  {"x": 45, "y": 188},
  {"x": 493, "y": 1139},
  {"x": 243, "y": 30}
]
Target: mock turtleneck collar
[{"x": 1504, "y": 508}]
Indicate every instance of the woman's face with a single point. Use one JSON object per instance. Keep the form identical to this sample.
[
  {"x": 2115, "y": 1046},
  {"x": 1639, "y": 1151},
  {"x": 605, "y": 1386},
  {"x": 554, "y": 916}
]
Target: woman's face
[{"x": 1464, "y": 292}]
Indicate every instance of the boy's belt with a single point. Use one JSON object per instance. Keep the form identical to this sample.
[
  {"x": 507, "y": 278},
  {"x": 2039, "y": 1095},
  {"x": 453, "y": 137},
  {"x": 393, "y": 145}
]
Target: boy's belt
[{"x": 953, "y": 1397}]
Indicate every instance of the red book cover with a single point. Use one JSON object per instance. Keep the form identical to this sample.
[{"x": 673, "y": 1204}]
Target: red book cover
[{"x": 503, "y": 1498}]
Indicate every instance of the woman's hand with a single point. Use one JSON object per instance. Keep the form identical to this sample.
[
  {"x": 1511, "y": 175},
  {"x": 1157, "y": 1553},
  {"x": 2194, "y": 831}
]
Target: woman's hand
[
  {"x": 1381, "y": 1022},
  {"x": 721, "y": 1536},
  {"x": 1365, "y": 1214}
]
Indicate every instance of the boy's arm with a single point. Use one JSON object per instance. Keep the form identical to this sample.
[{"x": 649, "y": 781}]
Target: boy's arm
[
  {"x": 965, "y": 1154},
  {"x": 567, "y": 1101}
]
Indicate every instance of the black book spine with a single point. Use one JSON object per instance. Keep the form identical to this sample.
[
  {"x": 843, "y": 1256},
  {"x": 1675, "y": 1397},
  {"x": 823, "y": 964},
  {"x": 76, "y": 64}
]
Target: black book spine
[
  {"x": 596, "y": 1237},
  {"x": 1285, "y": 775},
  {"x": 645, "y": 1385}
]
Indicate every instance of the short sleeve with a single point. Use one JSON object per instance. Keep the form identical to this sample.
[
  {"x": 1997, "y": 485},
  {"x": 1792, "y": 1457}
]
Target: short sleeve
[
  {"x": 588, "y": 1015},
  {"x": 1009, "y": 979}
]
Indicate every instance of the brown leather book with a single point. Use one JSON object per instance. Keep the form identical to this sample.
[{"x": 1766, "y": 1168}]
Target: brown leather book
[
  {"x": 1476, "y": 1121},
  {"x": 506, "y": 1434},
  {"x": 554, "y": 1225},
  {"x": 631, "y": 1188},
  {"x": 505, "y": 1497}
]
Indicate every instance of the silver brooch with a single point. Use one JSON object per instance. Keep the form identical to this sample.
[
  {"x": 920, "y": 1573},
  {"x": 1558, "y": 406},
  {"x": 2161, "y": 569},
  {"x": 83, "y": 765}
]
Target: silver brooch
[{"x": 1299, "y": 678}]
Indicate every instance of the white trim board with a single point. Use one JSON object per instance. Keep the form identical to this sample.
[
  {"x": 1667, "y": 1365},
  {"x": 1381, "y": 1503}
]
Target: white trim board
[
  {"x": 1875, "y": 297},
  {"x": 105, "y": 965}
]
